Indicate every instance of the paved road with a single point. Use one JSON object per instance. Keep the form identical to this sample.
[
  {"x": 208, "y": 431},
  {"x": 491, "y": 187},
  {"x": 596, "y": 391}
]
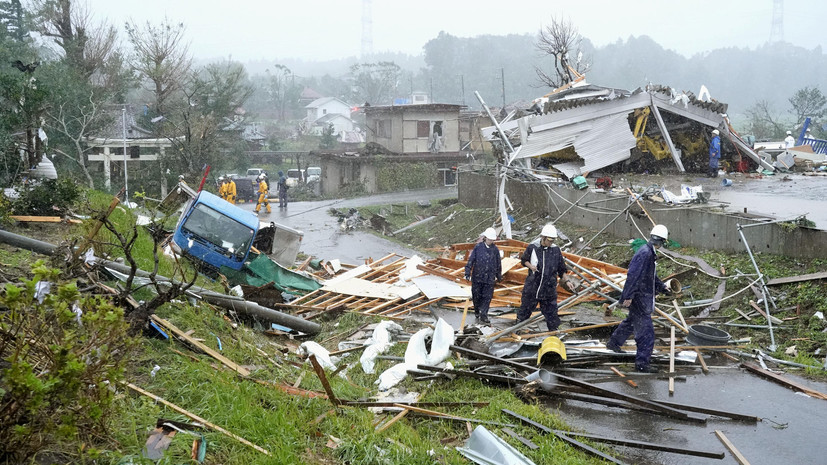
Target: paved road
[{"x": 323, "y": 238}]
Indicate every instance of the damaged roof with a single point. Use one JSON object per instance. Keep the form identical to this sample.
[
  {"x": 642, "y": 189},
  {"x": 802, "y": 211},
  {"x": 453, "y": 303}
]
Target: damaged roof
[{"x": 594, "y": 120}]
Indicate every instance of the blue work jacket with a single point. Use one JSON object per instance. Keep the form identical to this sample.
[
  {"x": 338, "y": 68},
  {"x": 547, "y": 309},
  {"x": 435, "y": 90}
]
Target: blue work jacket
[
  {"x": 550, "y": 266},
  {"x": 641, "y": 281},
  {"x": 484, "y": 264},
  {"x": 715, "y": 148}
]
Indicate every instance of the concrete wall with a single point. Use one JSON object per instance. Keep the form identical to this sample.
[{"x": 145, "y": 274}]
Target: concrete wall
[{"x": 693, "y": 227}]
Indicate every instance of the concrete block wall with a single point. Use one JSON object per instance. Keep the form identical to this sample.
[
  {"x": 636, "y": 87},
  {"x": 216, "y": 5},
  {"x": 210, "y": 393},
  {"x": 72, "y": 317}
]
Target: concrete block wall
[{"x": 693, "y": 227}]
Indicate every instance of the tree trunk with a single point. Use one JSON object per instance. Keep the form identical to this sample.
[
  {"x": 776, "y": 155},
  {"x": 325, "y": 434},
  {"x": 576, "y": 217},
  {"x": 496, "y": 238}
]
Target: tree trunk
[{"x": 82, "y": 163}]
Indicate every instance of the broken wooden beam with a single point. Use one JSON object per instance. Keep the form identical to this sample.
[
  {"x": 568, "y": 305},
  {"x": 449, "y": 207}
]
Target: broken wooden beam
[
  {"x": 735, "y": 452},
  {"x": 783, "y": 381},
  {"x": 195, "y": 417},
  {"x": 207, "y": 350}
]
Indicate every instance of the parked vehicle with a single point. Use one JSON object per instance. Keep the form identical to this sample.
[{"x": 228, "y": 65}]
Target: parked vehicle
[
  {"x": 295, "y": 177},
  {"x": 314, "y": 174}
]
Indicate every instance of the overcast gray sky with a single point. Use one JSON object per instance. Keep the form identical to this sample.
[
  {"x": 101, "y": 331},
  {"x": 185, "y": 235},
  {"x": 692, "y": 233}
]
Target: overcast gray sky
[{"x": 326, "y": 29}]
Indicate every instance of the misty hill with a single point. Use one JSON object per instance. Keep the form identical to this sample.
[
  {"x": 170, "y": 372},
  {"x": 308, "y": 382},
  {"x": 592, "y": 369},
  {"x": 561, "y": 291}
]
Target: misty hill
[{"x": 502, "y": 68}]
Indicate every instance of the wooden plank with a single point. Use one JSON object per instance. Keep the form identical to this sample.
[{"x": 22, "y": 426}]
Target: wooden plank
[
  {"x": 671, "y": 320},
  {"x": 464, "y": 315},
  {"x": 796, "y": 279},
  {"x": 618, "y": 373},
  {"x": 743, "y": 315},
  {"x": 680, "y": 315},
  {"x": 195, "y": 417},
  {"x": 36, "y": 219},
  {"x": 212, "y": 353},
  {"x": 731, "y": 447},
  {"x": 701, "y": 360},
  {"x": 775, "y": 320},
  {"x": 783, "y": 381}
]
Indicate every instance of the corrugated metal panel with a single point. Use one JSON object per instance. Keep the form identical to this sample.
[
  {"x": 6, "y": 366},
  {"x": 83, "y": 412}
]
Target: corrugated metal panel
[{"x": 607, "y": 142}]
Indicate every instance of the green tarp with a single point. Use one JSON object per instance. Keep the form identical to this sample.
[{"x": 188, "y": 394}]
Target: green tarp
[{"x": 262, "y": 270}]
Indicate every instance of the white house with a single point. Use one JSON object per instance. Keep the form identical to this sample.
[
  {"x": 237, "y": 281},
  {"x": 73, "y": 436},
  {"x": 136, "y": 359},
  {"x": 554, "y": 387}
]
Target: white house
[{"x": 327, "y": 111}]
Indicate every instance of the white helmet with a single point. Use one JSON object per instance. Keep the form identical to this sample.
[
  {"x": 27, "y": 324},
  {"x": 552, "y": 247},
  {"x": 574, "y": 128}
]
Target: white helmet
[
  {"x": 221, "y": 178},
  {"x": 716, "y": 132},
  {"x": 261, "y": 176},
  {"x": 549, "y": 231},
  {"x": 660, "y": 231},
  {"x": 789, "y": 133},
  {"x": 490, "y": 234}
]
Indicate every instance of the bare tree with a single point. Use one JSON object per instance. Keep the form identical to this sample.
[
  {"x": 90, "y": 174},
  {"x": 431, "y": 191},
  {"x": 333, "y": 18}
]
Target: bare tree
[
  {"x": 160, "y": 56},
  {"x": 763, "y": 122},
  {"x": 87, "y": 45},
  {"x": 375, "y": 83},
  {"x": 74, "y": 123},
  {"x": 558, "y": 40}
]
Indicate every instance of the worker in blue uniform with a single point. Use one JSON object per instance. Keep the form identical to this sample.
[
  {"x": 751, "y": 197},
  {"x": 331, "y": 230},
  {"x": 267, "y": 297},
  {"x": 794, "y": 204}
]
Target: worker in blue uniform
[
  {"x": 545, "y": 265},
  {"x": 483, "y": 269},
  {"x": 638, "y": 296},
  {"x": 714, "y": 153}
]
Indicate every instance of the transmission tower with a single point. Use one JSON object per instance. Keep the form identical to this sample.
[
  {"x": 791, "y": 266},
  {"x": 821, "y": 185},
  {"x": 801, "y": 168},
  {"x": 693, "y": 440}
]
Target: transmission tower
[
  {"x": 367, "y": 29},
  {"x": 777, "y": 29}
]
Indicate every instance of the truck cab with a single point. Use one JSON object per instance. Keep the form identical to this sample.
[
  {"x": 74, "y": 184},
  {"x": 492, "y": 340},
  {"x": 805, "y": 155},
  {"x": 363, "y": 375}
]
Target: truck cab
[
  {"x": 216, "y": 232},
  {"x": 295, "y": 177},
  {"x": 314, "y": 174}
]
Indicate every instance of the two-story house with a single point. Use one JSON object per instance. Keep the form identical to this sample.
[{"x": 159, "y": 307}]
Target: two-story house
[
  {"x": 425, "y": 137},
  {"x": 325, "y": 112}
]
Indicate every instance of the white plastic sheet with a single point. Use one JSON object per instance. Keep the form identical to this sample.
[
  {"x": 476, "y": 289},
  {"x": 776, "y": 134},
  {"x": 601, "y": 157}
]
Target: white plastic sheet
[
  {"x": 417, "y": 354},
  {"x": 378, "y": 343},
  {"x": 322, "y": 355}
]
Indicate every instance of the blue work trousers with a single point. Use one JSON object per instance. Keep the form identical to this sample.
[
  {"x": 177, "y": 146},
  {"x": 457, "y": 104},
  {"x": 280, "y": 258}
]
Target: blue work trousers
[
  {"x": 640, "y": 323},
  {"x": 548, "y": 307},
  {"x": 481, "y": 294}
]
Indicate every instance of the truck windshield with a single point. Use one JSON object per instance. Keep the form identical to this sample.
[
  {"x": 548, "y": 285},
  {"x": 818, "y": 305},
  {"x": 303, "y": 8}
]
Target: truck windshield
[{"x": 219, "y": 230}]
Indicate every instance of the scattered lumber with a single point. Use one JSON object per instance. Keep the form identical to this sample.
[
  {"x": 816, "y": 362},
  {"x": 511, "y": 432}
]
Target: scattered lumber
[{"x": 195, "y": 417}]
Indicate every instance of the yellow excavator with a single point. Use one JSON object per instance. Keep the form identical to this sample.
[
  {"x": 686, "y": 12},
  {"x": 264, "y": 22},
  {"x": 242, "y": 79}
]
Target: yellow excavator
[{"x": 654, "y": 145}]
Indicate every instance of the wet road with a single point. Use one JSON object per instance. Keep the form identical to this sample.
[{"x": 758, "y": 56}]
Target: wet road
[
  {"x": 781, "y": 196},
  {"x": 792, "y": 430},
  {"x": 324, "y": 239}
]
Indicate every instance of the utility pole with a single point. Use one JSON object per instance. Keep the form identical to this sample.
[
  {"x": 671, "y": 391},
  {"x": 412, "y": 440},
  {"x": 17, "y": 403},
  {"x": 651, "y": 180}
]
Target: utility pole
[
  {"x": 125, "y": 174},
  {"x": 462, "y": 87},
  {"x": 432, "y": 90}
]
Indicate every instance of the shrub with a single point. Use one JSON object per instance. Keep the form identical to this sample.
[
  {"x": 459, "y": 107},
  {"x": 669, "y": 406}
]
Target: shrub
[
  {"x": 62, "y": 354},
  {"x": 51, "y": 197}
]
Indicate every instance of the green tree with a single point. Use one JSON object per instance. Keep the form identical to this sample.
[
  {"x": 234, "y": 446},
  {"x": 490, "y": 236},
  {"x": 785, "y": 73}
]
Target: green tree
[
  {"x": 328, "y": 140},
  {"x": 205, "y": 121},
  {"x": 808, "y": 102}
]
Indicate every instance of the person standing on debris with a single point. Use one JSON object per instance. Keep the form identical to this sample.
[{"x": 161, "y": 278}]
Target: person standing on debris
[
  {"x": 789, "y": 141},
  {"x": 638, "y": 296},
  {"x": 263, "y": 192},
  {"x": 545, "y": 265},
  {"x": 282, "y": 187},
  {"x": 714, "y": 153},
  {"x": 484, "y": 267},
  {"x": 808, "y": 134},
  {"x": 181, "y": 179},
  {"x": 231, "y": 190}
]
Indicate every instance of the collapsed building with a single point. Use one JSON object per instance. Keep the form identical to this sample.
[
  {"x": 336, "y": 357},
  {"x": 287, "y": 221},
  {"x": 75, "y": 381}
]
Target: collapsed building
[{"x": 585, "y": 127}]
